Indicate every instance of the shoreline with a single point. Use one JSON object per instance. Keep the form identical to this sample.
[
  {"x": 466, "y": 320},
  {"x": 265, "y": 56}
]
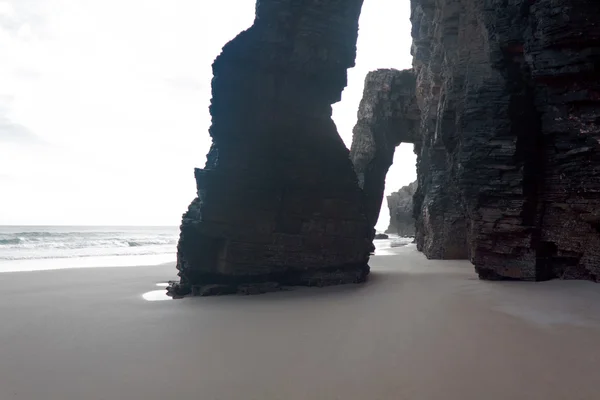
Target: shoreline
[
  {"x": 120, "y": 261},
  {"x": 91, "y": 262}
]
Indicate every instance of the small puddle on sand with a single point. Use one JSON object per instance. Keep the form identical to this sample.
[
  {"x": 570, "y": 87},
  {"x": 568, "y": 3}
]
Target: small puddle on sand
[{"x": 157, "y": 295}]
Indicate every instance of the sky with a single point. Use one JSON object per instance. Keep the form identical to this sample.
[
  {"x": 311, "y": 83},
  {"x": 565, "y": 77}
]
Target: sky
[{"x": 104, "y": 104}]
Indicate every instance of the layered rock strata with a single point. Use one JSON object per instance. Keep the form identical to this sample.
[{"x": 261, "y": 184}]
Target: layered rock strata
[
  {"x": 387, "y": 116},
  {"x": 400, "y": 204},
  {"x": 278, "y": 200},
  {"x": 509, "y": 150}
]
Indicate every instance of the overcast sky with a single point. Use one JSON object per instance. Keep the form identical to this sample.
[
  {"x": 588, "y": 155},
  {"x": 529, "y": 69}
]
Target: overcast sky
[{"x": 104, "y": 104}]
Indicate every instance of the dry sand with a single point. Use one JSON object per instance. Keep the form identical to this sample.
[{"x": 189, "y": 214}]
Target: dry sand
[{"x": 417, "y": 330}]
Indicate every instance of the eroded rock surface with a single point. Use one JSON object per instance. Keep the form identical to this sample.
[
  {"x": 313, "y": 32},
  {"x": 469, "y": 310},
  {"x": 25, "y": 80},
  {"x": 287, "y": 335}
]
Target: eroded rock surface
[
  {"x": 388, "y": 115},
  {"x": 509, "y": 143},
  {"x": 278, "y": 200},
  {"x": 400, "y": 204}
]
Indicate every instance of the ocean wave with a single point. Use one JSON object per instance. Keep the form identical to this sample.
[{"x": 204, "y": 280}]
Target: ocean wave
[
  {"x": 138, "y": 243},
  {"x": 71, "y": 256},
  {"x": 41, "y": 234},
  {"x": 20, "y": 244},
  {"x": 81, "y": 242},
  {"x": 10, "y": 241},
  {"x": 23, "y": 243},
  {"x": 401, "y": 241}
]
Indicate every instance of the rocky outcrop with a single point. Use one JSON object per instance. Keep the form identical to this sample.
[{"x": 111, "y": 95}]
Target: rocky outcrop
[
  {"x": 503, "y": 106},
  {"x": 509, "y": 142},
  {"x": 278, "y": 200},
  {"x": 400, "y": 203},
  {"x": 388, "y": 115}
]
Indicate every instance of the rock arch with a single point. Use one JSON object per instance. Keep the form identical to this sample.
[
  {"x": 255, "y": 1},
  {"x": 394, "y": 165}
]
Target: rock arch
[{"x": 502, "y": 104}]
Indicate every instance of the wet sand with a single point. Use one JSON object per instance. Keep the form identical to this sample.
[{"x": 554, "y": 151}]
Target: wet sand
[{"x": 418, "y": 330}]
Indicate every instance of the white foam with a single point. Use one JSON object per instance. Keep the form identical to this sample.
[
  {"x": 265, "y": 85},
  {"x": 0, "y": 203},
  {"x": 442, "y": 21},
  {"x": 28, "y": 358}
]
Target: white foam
[{"x": 84, "y": 262}]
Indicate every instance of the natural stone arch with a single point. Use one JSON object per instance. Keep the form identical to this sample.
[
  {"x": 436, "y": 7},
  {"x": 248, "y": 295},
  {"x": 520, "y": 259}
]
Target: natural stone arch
[
  {"x": 504, "y": 120},
  {"x": 387, "y": 116}
]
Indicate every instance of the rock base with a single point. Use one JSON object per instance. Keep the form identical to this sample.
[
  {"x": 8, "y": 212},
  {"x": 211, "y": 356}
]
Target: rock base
[{"x": 215, "y": 284}]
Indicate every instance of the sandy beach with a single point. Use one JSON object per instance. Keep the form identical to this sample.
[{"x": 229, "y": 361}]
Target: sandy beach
[{"x": 419, "y": 330}]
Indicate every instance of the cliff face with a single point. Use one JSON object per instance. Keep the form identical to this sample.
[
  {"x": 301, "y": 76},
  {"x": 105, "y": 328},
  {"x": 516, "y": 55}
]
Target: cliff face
[
  {"x": 400, "y": 203},
  {"x": 509, "y": 143},
  {"x": 278, "y": 200},
  {"x": 387, "y": 116}
]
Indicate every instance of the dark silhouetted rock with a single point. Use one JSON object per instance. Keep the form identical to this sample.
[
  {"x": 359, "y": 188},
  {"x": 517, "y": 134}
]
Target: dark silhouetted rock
[
  {"x": 400, "y": 203},
  {"x": 278, "y": 200},
  {"x": 509, "y": 142},
  {"x": 388, "y": 115},
  {"x": 380, "y": 236}
]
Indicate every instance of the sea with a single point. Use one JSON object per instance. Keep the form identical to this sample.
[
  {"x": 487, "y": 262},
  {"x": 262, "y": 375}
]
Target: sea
[{"x": 33, "y": 248}]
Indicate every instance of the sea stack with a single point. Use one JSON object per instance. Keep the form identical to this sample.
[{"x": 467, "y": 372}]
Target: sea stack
[
  {"x": 278, "y": 200},
  {"x": 400, "y": 204}
]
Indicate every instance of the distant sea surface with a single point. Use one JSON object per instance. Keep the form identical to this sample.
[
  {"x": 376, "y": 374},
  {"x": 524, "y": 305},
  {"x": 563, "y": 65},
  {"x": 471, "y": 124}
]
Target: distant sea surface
[{"x": 28, "y": 248}]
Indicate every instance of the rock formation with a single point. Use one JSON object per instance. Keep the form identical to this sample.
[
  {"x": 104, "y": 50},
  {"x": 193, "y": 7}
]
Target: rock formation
[
  {"x": 509, "y": 142},
  {"x": 502, "y": 104},
  {"x": 400, "y": 203},
  {"x": 507, "y": 104},
  {"x": 388, "y": 115},
  {"x": 278, "y": 200}
]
